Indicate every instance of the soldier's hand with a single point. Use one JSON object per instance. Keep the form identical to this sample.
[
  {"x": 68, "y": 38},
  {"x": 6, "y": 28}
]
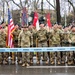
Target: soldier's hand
[
  {"x": 31, "y": 45},
  {"x": 70, "y": 41},
  {"x": 19, "y": 46},
  {"x": 34, "y": 45}
]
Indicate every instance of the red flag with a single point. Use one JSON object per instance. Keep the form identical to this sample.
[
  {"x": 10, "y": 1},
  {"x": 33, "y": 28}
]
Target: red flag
[
  {"x": 10, "y": 30},
  {"x": 48, "y": 20},
  {"x": 35, "y": 21}
]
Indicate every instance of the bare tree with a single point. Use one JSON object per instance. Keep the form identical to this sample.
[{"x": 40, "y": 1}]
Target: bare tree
[
  {"x": 51, "y": 4},
  {"x": 72, "y": 3},
  {"x": 57, "y": 8}
]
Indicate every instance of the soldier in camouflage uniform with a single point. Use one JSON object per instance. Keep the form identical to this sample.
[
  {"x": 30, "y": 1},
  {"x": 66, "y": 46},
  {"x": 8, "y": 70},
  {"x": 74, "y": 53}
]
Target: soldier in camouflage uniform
[
  {"x": 25, "y": 40},
  {"x": 65, "y": 43},
  {"x": 2, "y": 43},
  {"x": 55, "y": 42},
  {"x": 5, "y": 54},
  {"x": 33, "y": 32},
  {"x": 71, "y": 54},
  {"x": 15, "y": 41},
  {"x": 42, "y": 42}
]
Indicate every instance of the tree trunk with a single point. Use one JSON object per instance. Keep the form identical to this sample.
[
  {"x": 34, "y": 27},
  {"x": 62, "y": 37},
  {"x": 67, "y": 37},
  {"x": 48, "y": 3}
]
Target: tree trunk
[
  {"x": 58, "y": 11},
  {"x": 74, "y": 14}
]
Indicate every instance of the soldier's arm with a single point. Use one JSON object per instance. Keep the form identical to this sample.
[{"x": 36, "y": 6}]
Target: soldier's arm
[
  {"x": 69, "y": 38},
  {"x": 31, "y": 39},
  {"x": 19, "y": 40},
  {"x": 36, "y": 38}
]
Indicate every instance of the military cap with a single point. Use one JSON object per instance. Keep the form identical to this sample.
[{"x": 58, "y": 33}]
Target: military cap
[{"x": 24, "y": 26}]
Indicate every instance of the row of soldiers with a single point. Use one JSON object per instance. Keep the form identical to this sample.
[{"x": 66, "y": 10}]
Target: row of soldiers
[{"x": 28, "y": 36}]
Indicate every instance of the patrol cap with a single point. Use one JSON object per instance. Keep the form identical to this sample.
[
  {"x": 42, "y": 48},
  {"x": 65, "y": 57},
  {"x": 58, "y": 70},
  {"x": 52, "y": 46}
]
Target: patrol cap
[{"x": 24, "y": 26}]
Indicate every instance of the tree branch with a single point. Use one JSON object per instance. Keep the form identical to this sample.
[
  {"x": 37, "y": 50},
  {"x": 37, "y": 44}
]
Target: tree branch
[
  {"x": 71, "y": 4},
  {"x": 21, "y": 4},
  {"x": 50, "y": 4},
  {"x": 16, "y": 4},
  {"x": 37, "y": 1}
]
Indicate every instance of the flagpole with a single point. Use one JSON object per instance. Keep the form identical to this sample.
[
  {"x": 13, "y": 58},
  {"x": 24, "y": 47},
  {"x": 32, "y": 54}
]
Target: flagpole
[{"x": 65, "y": 14}]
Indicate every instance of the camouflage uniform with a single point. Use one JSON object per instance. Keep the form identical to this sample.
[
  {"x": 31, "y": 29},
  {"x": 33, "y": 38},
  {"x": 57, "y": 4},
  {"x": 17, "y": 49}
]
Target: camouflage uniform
[
  {"x": 71, "y": 55},
  {"x": 33, "y": 32},
  {"x": 42, "y": 42},
  {"x": 52, "y": 55},
  {"x": 55, "y": 42},
  {"x": 25, "y": 40},
  {"x": 2, "y": 43},
  {"x": 15, "y": 40},
  {"x": 6, "y": 54},
  {"x": 65, "y": 42}
]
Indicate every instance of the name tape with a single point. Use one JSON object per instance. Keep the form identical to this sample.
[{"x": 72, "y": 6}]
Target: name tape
[{"x": 41, "y": 49}]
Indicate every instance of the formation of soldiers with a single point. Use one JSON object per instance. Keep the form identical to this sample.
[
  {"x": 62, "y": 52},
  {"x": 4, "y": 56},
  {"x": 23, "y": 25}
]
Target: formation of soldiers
[{"x": 28, "y": 36}]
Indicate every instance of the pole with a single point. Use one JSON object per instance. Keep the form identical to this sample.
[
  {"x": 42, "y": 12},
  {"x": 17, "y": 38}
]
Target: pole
[
  {"x": 42, "y": 6},
  {"x": 65, "y": 14},
  {"x": 3, "y": 11}
]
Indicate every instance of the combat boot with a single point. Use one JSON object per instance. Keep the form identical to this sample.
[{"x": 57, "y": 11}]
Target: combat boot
[
  {"x": 58, "y": 62},
  {"x": 31, "y": 61},
  {"x": 62, "y": 62},
  {"x": 20, "y": 62},
  {"x": 52, "y": 61},
  {"x": 72, "y": 62},
  {"x": 1, "y": 62},
  {"x": 69, "y": 63},
  {"x": 38, "y": 62},
  {"x": 23, "y": 64},
  {"x": 13, "y": 62},
  {"x": 27, "y": 65},
  {"x": 46, "y": 62}
]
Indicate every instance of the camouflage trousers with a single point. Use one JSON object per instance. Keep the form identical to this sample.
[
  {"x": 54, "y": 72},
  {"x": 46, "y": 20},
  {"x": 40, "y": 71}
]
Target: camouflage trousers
[
  {"x": 18, "y": 54},
  {"x": 69, "y": 54},
  {"x": 25, "y": 57},
  {"x": 55, "y": 54},
  {"x": 45, "y": 55},
  {"x": 2, "y": 54},
  {"x": 1, "y": 57},
  {"x": 31, "y": 56}
]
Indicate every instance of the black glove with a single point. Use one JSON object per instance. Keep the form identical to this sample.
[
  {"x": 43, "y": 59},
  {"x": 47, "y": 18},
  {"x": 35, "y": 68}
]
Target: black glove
[
  {"x": 34, "y": 45},
  {"x": 31, "y": 46},
  {"x": 19, "y": 46},
  {"x": 73, "y": 44},
  {"x": 65, "y": 42}
]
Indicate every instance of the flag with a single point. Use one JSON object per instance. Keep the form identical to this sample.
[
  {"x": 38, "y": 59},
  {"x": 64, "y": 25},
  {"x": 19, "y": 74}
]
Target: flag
[
  {"x": 48, "y": 21},
  {"x": 24, "y": 17},
  {"x": 35, "y": 21},
  {"x": 11, "y": 28}
]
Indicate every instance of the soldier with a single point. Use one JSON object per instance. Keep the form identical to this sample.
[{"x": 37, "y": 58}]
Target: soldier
[
  {"x": 25, "y": 41},
  {"x": 2, "y": 43},
  {"x": 5, "y": 54},
  {"x": 65, "y": 42},
  {"x": 71, "y": 54},
  {"x": 42, "y": 42},
  {"x": 55, "y": 42},
  {"x": 52, "y": 55},
  {"x": 15, "y": 41},
  {"x": 33, "y": 32}
]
